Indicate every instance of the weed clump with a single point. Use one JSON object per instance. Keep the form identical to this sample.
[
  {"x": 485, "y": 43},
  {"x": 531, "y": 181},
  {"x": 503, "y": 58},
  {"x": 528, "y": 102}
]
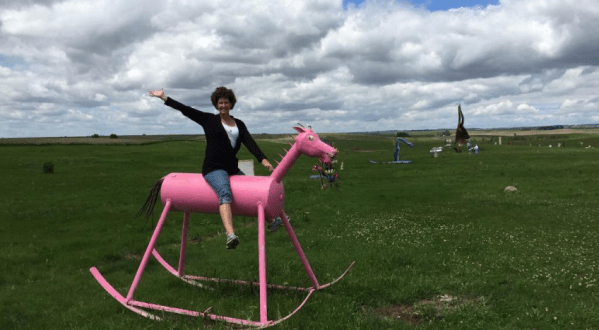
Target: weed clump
[{"x": 48, "y": 167}]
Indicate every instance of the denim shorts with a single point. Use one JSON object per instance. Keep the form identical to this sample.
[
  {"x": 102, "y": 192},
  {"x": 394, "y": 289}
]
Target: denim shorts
[{"x": 219, "y": 181}]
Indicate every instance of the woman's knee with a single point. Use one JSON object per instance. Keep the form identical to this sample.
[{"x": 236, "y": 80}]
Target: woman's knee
[
  {"x": 219, "y": 181},
  {"x": 224, "y": 196}
]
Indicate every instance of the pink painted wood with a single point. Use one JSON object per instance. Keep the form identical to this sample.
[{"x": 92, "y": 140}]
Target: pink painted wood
[{"x": 256, "y": 196}]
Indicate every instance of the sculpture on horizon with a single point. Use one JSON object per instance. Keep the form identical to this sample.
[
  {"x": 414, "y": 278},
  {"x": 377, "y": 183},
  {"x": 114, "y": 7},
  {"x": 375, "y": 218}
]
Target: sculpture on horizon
[
  {"x": 396, "y": 156},
  {"x": 461, "y": 135}
]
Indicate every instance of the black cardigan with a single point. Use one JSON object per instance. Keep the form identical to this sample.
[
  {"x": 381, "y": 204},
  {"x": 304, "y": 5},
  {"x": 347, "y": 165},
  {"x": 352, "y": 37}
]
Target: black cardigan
[{"x": 219, "y": 153}]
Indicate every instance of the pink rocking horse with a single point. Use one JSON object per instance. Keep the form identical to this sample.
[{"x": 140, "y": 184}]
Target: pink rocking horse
[{"x": 256, "y": 196}]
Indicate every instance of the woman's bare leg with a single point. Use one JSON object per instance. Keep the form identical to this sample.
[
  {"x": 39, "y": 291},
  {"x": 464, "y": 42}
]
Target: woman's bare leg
[{"x": 227, "y": 217}]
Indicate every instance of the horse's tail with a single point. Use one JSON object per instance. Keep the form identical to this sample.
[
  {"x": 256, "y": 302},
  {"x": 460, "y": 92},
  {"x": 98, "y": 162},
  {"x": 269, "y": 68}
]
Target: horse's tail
[{"x": 148, "y": 207}]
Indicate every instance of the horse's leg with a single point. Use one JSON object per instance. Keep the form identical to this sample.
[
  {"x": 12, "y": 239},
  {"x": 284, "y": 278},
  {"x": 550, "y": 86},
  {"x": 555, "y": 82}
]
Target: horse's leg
[
  {"x": 299, "y": 250},
  {"x": 183, "y": 243},
  {"x": 262, "y": 264},
  {"x": 146, "y": 257}
]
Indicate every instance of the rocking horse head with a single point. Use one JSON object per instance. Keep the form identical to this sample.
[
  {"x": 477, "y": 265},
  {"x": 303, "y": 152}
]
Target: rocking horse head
[{"x": 309, "y": 144}]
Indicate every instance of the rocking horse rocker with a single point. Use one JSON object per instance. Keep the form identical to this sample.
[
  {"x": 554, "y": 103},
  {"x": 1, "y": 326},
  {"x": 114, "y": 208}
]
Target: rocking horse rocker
[{"x": 256, "y": 196}]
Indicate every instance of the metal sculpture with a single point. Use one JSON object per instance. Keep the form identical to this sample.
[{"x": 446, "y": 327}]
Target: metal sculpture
[
  {"x": 327, "y": 172},
  {"x": 461, "y": 135},
  {"x": 256, "y": 196},
  {"x": 396, "y": 156},
  {"x": 435, "y": 151}
]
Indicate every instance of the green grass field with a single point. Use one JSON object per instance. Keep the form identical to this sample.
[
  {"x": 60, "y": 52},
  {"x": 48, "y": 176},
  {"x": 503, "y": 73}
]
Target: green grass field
[{"x": 437, "y": 243}]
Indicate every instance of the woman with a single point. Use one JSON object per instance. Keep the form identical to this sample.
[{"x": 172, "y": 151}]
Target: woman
[{"x": 224, "y": 135}]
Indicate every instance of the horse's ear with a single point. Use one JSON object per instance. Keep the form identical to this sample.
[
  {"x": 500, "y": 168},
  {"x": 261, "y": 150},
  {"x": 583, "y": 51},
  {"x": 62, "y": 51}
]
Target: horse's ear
[{"x": 299, "y": 129}]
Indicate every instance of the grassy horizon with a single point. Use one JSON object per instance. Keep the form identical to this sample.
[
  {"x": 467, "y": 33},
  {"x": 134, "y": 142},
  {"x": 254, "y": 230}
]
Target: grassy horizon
[{"x": 437, "y": 243}]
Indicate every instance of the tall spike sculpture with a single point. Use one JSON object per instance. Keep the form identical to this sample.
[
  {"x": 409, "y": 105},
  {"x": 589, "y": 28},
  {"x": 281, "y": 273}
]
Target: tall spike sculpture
[{"x": 461, "y": 135}]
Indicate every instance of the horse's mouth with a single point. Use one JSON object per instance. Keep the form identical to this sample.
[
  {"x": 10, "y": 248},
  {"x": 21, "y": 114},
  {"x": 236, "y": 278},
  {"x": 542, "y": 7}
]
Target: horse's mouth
[{"x": 328, "y": 158}]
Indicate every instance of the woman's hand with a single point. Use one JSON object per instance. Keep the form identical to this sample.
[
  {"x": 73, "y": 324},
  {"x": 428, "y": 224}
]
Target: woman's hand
[
  {"x": 266, "y": 164},
  {"x": 158, "y": 93}
]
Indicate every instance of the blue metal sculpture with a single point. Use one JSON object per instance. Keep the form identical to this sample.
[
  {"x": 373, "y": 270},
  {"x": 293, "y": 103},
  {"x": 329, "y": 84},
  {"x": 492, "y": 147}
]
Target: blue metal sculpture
[{"x": 396, "y": 156}]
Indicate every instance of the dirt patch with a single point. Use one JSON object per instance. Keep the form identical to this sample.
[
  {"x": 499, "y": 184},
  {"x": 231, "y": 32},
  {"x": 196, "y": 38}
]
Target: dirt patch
[
  {"x": 403, "y": 313},
  {"x": 425, "y": 309},
  {"x": 132, "y": 256}
]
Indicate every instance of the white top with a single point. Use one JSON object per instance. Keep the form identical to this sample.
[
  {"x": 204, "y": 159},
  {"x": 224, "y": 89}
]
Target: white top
[{"x": 233, "y": 133}]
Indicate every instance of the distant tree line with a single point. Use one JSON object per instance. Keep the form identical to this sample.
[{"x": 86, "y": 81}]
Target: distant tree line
[
  {"x": 550, "y": 128},
  {"x": 112, "y": 136}
]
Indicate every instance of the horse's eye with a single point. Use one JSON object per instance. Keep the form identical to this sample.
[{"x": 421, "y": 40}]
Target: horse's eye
[{"x": 310, "y": 138}]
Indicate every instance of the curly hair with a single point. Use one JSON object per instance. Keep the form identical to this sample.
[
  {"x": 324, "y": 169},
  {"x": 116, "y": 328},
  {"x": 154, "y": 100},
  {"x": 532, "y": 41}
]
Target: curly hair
[{"x": 223, "y": 92}]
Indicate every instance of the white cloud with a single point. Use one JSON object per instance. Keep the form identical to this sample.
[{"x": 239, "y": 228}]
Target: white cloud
[
  {"x": 383, "y": 65},
  {"x": 526, "y": 108},
  {"x": 75, "y": 19}
]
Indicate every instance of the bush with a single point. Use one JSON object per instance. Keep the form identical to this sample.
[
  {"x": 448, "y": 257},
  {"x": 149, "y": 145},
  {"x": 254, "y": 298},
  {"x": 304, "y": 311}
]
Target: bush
[
  {"x": 48, "y": 167},
  {"x": 95, "y": 136},
  {"x": 402, "y": 134},
  {"x": 446, "y": 133},
  {"x": 113, "y": 136}
]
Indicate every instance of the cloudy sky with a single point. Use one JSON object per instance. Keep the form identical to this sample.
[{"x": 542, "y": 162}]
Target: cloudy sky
[{"x": 78, "y": 67}]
